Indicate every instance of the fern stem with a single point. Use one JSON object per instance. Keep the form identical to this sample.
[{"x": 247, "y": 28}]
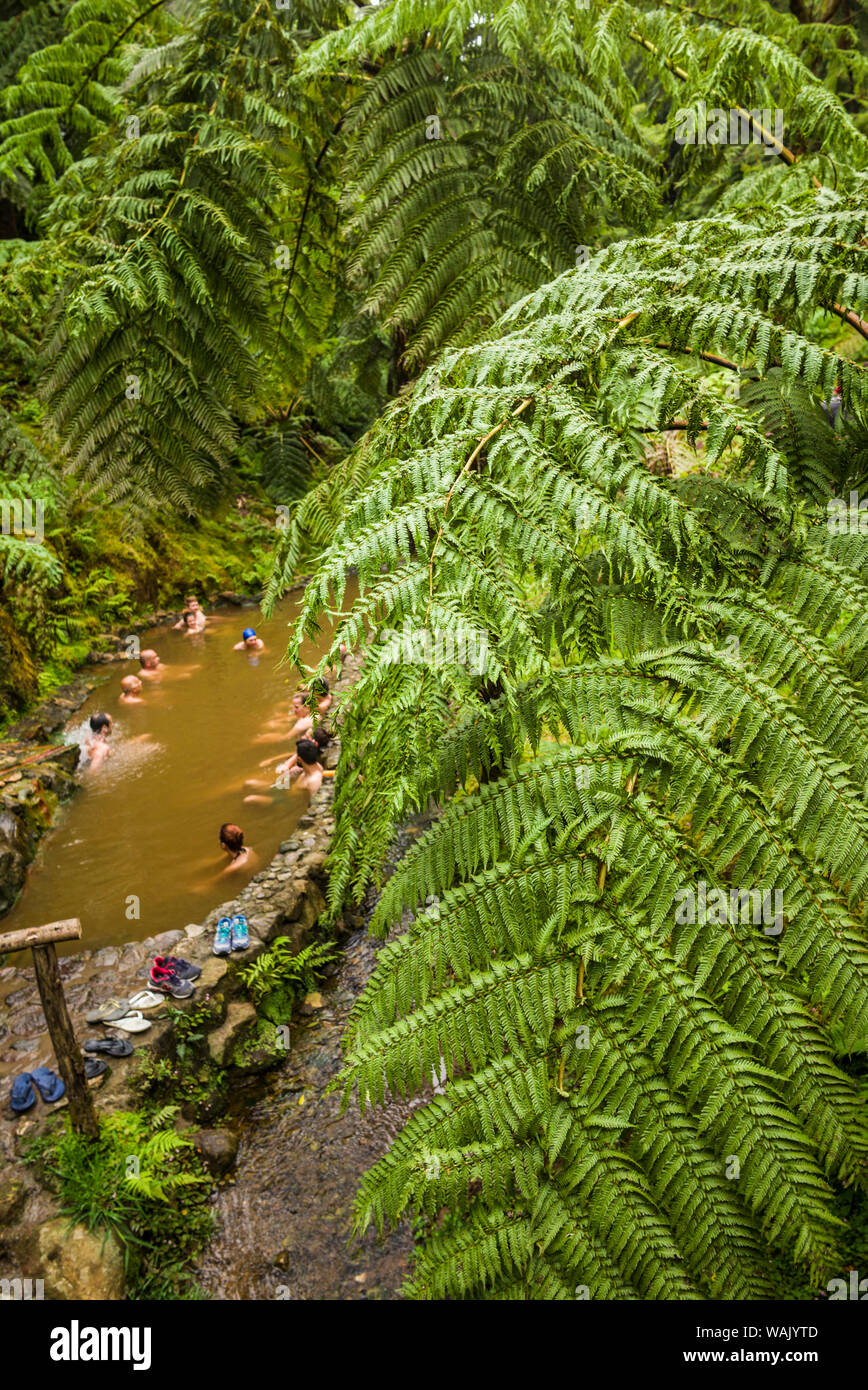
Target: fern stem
[
  {"x": 849, "y": 316},
  {"x": 476, "y": 452},
  {"x": 482, "y": 443},
  {"x": 768, "y": 136},
  {"x": 94, "y": 68},
  {"x": 705, "y": 356}
]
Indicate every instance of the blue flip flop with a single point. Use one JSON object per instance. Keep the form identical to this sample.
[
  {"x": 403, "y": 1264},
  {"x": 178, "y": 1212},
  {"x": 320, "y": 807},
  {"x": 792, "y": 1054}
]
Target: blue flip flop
[
  {"x": 240, "y": 934},
  {"x": 48, "y": 1084},
  {"x": 23, "y": 1095}
]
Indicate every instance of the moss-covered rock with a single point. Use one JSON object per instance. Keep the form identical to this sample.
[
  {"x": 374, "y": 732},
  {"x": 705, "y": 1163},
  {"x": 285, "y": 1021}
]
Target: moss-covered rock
[
  {"x": 259, "y": 1050},
  {"x": 74, "y": 1263},
  {"x": 219, "y": 1149},
  {"x": 225, "y": 1041},
  {"x": 32, "y": 784}
]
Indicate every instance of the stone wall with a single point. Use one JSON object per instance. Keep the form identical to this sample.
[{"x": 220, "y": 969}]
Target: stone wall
[{"x": 33, "y": 782}]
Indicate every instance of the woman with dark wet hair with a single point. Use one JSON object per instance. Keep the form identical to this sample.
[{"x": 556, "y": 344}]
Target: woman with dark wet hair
[
  {"x": 96, "y": 748},
  {"x": 232, "y": 842}
]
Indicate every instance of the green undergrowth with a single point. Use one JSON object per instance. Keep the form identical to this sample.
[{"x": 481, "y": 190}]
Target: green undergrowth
[
  {"x": 279, "y": 978},
  {"x": 187, "y": 1076},
  {"x": 141, "y": 1183},
  {"x": 197, "y": 1086}
]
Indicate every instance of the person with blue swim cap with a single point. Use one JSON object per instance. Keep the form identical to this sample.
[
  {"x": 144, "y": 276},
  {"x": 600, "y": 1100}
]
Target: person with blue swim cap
[{"x": 249, "y": 642}]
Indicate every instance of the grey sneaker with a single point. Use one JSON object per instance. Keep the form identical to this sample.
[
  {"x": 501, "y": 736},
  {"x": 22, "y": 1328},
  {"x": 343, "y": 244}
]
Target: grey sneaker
[{"x": 223, "y": 937}]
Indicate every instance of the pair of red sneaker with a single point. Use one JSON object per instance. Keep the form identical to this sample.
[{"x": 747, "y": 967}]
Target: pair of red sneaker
[{"x": 172, "y": 975}]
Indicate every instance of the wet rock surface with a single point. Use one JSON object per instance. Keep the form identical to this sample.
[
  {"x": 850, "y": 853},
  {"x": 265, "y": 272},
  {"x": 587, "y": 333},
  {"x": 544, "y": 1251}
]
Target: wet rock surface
[
  {"x": 33, "y": 782},
  {"x": 53, "y": 713},
  {"x": 240, "y": 1019},
  {"x": 13, "y": 1195},
  {"x": 283, "y": 1226},
  {"x": 74, "y": 1262},
  {"x": 219, "y": 1149}
]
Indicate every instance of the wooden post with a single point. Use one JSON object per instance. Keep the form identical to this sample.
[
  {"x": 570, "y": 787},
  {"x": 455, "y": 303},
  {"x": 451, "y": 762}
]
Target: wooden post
[{"x": 69, "y": 1059}]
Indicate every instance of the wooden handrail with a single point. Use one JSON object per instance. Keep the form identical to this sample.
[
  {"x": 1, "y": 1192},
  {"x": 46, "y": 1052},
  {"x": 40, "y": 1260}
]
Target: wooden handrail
[
  {"x": 67, "y": 930},
  {"x": 40, "y": 940}
]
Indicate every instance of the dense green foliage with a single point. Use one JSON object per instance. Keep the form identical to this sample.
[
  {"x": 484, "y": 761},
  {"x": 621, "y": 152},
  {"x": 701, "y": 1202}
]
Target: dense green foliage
[
  {"x": 666, "y": 697},
  {"x": 170, "y": 339},
  {"x": 557, "y": 382},
  {"x": 604, "y": 602},
  {"x": 142, "y": 1184},
  {"x": 280, "y": 977}
]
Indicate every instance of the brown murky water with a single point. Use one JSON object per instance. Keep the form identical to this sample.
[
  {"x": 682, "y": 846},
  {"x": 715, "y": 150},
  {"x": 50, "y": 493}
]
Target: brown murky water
[{"x": 135, "y": 851}]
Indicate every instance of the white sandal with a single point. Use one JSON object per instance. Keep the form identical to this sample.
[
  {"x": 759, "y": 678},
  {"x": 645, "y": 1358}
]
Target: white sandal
[
  {"x": 146, "y": 999},
  {"x": 133, "y": 1023}
]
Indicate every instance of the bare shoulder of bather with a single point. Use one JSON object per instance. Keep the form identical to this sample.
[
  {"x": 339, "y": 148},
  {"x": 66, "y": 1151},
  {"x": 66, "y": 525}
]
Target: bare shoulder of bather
[
  {"x": 310, "y": 779},
  {"x": 98, "y": 751},
  {"x": 246, "y": 860}
]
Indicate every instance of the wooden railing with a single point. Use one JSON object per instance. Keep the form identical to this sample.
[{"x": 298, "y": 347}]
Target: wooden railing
[{"x": 40, "y": 940}]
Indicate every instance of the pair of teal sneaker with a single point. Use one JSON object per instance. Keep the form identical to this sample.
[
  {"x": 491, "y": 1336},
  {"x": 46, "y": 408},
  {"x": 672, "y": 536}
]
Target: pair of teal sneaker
[{"x": 231, "y": 935}]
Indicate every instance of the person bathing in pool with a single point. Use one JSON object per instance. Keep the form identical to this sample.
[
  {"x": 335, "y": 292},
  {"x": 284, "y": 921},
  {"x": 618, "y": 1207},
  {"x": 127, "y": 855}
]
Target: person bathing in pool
[
  {"x": 291, "y": 766},
  {"x": 192, "y": 619},
  {"x": 299, "y": 712},
  {"x": 296, "y": 765},
  {"x": 301, "y": 727},
  {"x": 150, "y": 662},
  {"x": 96, "y": 746},
  {"x": 152, "y": 667},
  {"x": 232, "y": 843},
  {"x": 303, "y": 770},
  {"x": 311, "y": 773},
  {"x": 249, "y": 642},
  {"x": 131, "y": 691}
]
